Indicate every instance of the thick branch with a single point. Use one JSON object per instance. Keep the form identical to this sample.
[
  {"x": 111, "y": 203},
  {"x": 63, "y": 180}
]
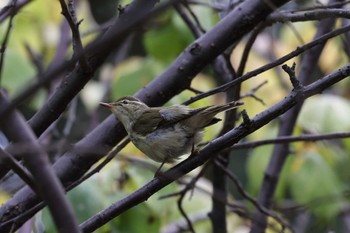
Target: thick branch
[
  {"x": 73, "y": 83},
  {"x": 232, "y": 137},
  {"x": 317, "y": 41},
  {"x": 47, "y": 183},
  {"x": 281, "y": 151},
  {"x": 76, "y": 162}
]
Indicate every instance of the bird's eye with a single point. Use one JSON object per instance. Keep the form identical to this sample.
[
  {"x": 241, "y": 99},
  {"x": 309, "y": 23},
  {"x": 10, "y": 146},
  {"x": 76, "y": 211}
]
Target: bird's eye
[{"x": 124, "y": 101}]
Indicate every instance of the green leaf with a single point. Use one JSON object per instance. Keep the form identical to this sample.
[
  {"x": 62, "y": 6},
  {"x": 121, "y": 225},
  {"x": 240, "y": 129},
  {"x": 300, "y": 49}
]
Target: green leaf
[
  {"x": 138, "y": 220},
  {"x": 314, "y": 183},
  {"x": 132, "y": 76},
  {"x": 18, "y": 72},
  {"x": 325, "y": 113},
  {"x": 168, "y": 41},
  {"x": 256, "y": 167}
]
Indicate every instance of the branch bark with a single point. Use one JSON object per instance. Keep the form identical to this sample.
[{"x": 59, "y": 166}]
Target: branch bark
[
  {"x": 176, "y": 78},
  {"x": 232, "y": 137},
  {"x": 47, "y": 184},
  {"x": 281, "y": 151}
]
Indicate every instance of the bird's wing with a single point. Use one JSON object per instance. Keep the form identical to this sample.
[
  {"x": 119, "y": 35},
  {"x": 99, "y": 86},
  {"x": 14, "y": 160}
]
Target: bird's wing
[
  {"x": 157, "y": 118},
  {"x": 147, "y": 122},
  {"x": 178, "y": 113}
]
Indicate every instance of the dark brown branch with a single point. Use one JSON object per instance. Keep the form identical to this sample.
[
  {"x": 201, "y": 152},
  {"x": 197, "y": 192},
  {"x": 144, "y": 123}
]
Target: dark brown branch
[
  {"x": 290, "y": 70},
  {"x": 246, "y": 120},
  {"x": 247, "y": 196},
  {"x": 215, "y": 6},
  {"x": 320, "y": 40},
  {"x": 73, "y": 164},
  {"x": 13, "y": 164},
  {"x": 310, "y": 15},
  {"x": 194, "y": 17},
  {"x": 183, "y": 213},
  {"x": 6, "y": 37},
  {"x": 223, "y": 73},
  {"x": 214, "y": 147},
  {"x": 223, "y": 69},
  {"x": 196, "y": 31},
  {"x": 253, "y": 91},
  {"x": 69, "y": 14},
  {"x": 9, "y": 11},
  {"x": 290, "y": 139},
  {"x": 331, "y": 4},
  {"x": 188, "y": 187},
  {"x": 247, "y": 48},
  {"x": 75, "y": 81},
  {"x": 288, "y": 120},
  {"x": 97, "y": 51},
  {"x": 109, "y": 157},
  {"x": 47, "y": 183}
]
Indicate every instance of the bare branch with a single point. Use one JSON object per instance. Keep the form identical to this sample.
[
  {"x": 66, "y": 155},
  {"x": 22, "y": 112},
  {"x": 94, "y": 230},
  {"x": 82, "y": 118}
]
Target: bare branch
[
  {"x": 281, "y": 151},
  {"x": 247, "y": 196},
  {"x": 6, "y": 37},
  {"x": 317, "y": 41},
  {"x": 9, "y": 11},
  {"x": 214, "y": 147},
  {"x": 69, "y": 13},
  {"x": 289, "y": 139},
  {"x": 17, "y": 168},
  {"x": 309, "y": 15},
  {"x": 47, "y": 183},
  {"x": 253, "y": 91}
]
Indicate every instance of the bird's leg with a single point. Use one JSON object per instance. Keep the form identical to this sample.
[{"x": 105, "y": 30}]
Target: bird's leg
[
  {"x": 158, "y": 172},
  {"x": 194, "y": 151}
]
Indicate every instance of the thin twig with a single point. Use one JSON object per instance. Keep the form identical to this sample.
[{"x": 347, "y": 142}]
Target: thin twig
[
  {"x": 189, "y": 186},
  {"x": 6, "y": 38},
  {"x": 289, "y": 139},
  {"x": 194, "y": 90},
  {"x": 36, "y": 59},
  {"x": 244, "y": 58},
  {"x": 290, "y": 70},
  {"x": 330, "y": 5},
  {"x": 271, "y": 65},
  {"x": 280, "y": 152},
  {"x": 215, "y": 6},
  {"x": 247, "y": 196},
  {"x": 34, "y": 209},
  {"x": 196, "y": 31},
  {"x": 253, "y": 91},
  {"x": 183, "y": 213},
  {"x": 194, "y": 16},
  {"x": 18, "y": 169},
  {"x": 69, "y": 13},
  {"x": 95, "y": 170}
]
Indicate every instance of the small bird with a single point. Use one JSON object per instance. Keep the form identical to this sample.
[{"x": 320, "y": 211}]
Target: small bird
[{"x": 165, "y": 133}]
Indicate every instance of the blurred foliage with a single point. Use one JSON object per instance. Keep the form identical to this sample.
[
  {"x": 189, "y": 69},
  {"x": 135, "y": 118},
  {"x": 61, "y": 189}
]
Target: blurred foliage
[
  {"x": 103, "y": 11},
  {"x": 316, "y": 174}
]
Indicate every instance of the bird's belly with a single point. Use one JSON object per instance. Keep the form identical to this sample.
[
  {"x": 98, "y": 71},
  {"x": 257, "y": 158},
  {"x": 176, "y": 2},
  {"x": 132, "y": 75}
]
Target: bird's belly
[{"x": 167, "y": 144}]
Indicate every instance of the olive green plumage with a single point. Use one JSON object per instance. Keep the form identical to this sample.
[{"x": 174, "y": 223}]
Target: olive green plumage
[{"x": 165, "y": 133}]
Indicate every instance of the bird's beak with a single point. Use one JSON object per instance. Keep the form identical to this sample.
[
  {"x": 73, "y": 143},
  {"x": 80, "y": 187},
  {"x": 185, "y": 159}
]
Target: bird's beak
[
  {"x": 239, "y": 103},
  {"x": 106, "y": 105}
]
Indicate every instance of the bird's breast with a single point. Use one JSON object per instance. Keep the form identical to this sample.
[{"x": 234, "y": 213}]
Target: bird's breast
[{"x": 167, "y": 144}]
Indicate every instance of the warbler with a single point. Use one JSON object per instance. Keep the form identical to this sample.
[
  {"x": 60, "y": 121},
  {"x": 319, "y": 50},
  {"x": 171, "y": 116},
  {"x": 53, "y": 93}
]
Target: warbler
[{"x": 165, "y": 133}]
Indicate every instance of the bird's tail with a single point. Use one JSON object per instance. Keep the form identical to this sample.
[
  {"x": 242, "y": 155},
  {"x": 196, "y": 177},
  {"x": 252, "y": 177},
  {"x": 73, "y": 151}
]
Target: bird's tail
[{"x": 206, "y": 116}]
